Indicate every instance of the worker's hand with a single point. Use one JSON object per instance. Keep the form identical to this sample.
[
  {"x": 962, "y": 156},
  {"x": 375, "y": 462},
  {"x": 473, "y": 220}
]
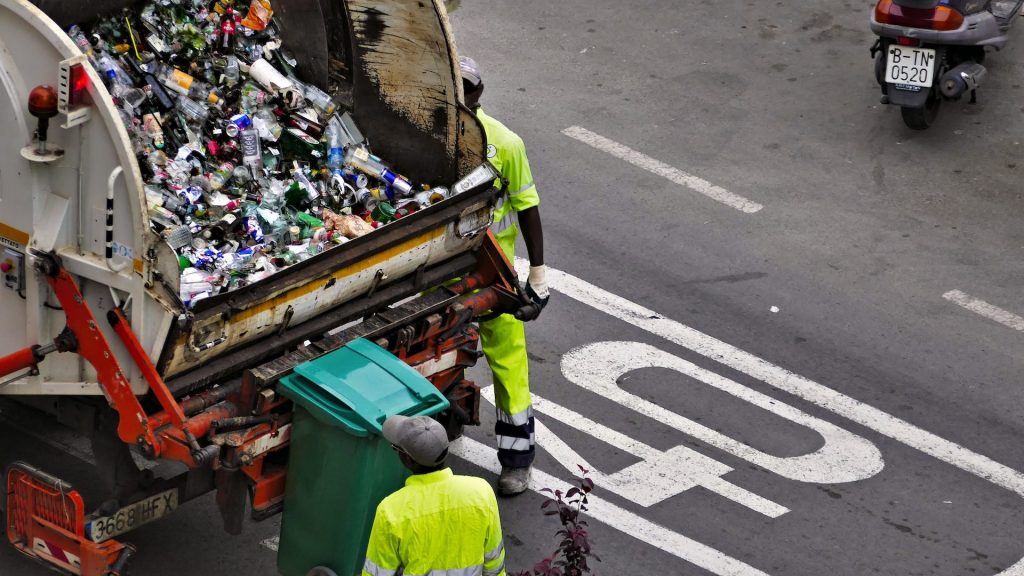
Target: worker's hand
[
  {"x": 537, "y": 286},
  {"x": 536, "y": 290}
]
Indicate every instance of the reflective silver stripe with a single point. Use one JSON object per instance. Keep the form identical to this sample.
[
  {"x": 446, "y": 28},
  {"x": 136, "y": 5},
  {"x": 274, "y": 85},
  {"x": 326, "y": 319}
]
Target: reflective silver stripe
[
  {"x": 523, "y": 189},
  {"x": 496, "y": 571},
  {"x": 496, "y": 553},
  {"x": 510, "y": 443},
  {"x": 520, "y": 419},
  {"x": 503, "y": 224},
  {"x": 471, "y": 571},
  {"x": 375, "y": 570}
]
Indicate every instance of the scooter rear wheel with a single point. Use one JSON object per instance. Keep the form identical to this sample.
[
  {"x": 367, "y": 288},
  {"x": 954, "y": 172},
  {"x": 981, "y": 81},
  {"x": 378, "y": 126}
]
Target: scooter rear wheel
[{"x": 922, "y": 118}]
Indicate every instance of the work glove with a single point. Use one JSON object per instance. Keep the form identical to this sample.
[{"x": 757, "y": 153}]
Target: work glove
[
  {"x": 537, "y": 285},
  {"x": 536, "y": 290}
]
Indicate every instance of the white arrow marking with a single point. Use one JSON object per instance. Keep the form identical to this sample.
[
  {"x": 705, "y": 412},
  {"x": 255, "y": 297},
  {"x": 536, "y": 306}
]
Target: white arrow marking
[
  {"x": 623, "y": 520},
  {"x": 658, "y": 477}
]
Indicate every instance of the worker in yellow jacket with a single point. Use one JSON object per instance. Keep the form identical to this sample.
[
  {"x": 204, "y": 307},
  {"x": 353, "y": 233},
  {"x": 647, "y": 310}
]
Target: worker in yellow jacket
[
  {"x": 504, "y": 338},
  {"x": 439, "y": 523}
]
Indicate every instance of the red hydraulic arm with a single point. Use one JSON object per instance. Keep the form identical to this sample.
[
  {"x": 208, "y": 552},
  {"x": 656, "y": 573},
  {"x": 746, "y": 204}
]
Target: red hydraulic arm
[
  {"x": 169, "y": 434},
  {"x": 20, "y": 360}
]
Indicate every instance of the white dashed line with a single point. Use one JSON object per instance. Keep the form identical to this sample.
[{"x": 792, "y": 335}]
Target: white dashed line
[
  {"x": 658, "y": 167},
  {"x": 994, "y": 313}
]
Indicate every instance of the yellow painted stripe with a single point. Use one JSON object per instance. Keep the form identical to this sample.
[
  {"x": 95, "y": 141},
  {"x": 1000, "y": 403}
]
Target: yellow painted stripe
[{"x": 12, "y": 233}]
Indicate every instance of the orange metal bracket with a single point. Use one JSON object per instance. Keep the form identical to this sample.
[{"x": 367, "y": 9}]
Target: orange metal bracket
[{"x": 92, "y": 345}]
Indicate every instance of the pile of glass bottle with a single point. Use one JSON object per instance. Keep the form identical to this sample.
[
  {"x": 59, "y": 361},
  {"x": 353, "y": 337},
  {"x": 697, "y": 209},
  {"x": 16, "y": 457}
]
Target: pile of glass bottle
[{"x": 247, "y": 168}]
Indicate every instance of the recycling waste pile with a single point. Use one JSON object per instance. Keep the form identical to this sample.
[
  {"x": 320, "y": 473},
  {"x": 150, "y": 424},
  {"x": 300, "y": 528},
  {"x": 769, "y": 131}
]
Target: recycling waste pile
[{"x": 247, "y": 169}]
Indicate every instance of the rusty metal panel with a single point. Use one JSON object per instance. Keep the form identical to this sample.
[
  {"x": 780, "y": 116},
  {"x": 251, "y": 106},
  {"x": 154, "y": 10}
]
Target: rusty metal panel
[{"x": 406, "y": 89}]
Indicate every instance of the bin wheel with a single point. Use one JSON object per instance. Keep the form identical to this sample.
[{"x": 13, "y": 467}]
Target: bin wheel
[{"x": 321, "y": 571}]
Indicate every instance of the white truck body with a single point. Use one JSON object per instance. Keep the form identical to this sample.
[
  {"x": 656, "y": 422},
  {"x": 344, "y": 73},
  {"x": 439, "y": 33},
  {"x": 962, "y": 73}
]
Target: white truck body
[{"x": 60, "y": 206}]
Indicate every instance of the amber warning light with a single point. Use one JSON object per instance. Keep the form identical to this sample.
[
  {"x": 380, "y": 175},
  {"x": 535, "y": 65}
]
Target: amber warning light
[{"x": 73, "y": 93}]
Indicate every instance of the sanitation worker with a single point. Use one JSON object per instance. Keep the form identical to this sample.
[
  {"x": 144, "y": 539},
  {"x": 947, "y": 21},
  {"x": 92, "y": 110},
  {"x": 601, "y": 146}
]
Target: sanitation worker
[
  {"x": 439, "y": 523},
  {"x": 504, "y": 338}
]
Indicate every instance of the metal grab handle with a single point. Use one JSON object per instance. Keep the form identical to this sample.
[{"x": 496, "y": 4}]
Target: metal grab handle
[{"x": 116, "y": 268}]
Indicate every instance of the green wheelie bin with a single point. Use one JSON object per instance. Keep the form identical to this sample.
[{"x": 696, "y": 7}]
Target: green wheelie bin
[{"x": 340, "y": 466}]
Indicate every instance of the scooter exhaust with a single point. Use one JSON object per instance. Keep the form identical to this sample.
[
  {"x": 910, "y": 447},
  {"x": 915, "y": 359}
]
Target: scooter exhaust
[{"x": 966, "y": 76}]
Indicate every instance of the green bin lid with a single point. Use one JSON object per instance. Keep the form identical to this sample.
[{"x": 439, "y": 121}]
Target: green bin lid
[{"x": 359, "y": 386}]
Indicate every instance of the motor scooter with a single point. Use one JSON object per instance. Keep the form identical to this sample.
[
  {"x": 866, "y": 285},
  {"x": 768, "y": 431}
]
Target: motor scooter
[{"x": 933, "y": 50}]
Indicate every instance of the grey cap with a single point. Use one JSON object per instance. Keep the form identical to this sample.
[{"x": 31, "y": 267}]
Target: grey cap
[
  {"x": 421, "y": 437},
  {"x": 470, "y": 70}
]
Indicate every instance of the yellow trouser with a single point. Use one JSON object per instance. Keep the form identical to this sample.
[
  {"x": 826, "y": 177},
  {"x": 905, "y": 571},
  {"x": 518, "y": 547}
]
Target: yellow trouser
[{"x": 503, "y": 340}]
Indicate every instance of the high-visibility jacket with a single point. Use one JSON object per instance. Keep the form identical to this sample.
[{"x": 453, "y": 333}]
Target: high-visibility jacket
[
  {"x": 503, "y": 339},
  {"x": 507, "y": 153},
  {"x": 438, "y": 524}
]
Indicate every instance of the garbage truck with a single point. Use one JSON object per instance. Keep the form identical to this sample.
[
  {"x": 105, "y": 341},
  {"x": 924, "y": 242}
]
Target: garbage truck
[{"x": 97, "y": 335}]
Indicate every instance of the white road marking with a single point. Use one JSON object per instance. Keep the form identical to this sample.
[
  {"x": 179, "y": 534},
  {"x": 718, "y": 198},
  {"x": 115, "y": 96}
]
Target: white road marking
[
  {"x": 994, "y": 313},
  {"x": 656, "y": 478},
  {"x": 745, "y": 362},
  {"x": 900, "y": 430},
  {"x": 619, "y": 518},
  {"x": 658, "y": 167},
  {"x": 844, "y": 456},
  {"x": 271, "y": 543}
]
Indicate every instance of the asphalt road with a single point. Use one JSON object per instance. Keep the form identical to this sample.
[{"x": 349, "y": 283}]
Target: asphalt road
[{"x": 787, "y": 391}]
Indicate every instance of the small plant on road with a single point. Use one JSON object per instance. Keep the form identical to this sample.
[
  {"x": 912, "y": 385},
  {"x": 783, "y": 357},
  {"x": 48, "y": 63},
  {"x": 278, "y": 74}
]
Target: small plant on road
[{"x": 570, "y": 558}]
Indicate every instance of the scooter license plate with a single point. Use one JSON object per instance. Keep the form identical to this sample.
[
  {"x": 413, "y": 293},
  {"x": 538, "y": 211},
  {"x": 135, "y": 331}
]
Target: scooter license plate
[{"x": 910, "y": 66}]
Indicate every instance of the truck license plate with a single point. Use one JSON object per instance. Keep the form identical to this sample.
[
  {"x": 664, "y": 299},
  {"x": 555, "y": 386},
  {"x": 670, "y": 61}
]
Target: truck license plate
[
  {"x": 910, "y": 66},
  {"x": 132, "y": 516}
]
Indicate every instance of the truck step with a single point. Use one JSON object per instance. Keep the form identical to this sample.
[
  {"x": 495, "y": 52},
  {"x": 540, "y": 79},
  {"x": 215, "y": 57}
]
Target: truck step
[{"x": 46, "y": 522}]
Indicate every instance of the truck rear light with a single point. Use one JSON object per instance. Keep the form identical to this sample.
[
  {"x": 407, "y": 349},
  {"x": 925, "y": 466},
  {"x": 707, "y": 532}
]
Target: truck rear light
[
  {"x": 73, "y": 93},
  {"x": 942, "y": 18},
  {"x": 79, "y": 88}
]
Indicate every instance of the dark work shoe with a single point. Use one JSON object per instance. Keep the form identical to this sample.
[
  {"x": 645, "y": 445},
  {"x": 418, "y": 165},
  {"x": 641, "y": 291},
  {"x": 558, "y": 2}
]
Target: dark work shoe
[{"x": 513, "y": 480}]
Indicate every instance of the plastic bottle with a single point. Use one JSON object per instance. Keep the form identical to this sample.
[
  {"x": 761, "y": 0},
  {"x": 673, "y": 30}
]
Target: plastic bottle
[
  {"x": 226, "y": 32},
  {"x": 185, "y": 84},
  {"x": 359, "y": 157},
  {"x": 194, "y": 111},
  {"x": 336, "y": 152},
  {"x": 120, "y": 85},
  {"x": 163, "y": 100},
  {"x": 252, "y": 156},
  {"x": 299, "y": 175},
  {"x": 267, "y": 125},
  {"x": 232, "y": 75},
  {"x": 221, "y": 176},
  {"x": 319, "y": 100},
  {"x": 83, "y": 44}
]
